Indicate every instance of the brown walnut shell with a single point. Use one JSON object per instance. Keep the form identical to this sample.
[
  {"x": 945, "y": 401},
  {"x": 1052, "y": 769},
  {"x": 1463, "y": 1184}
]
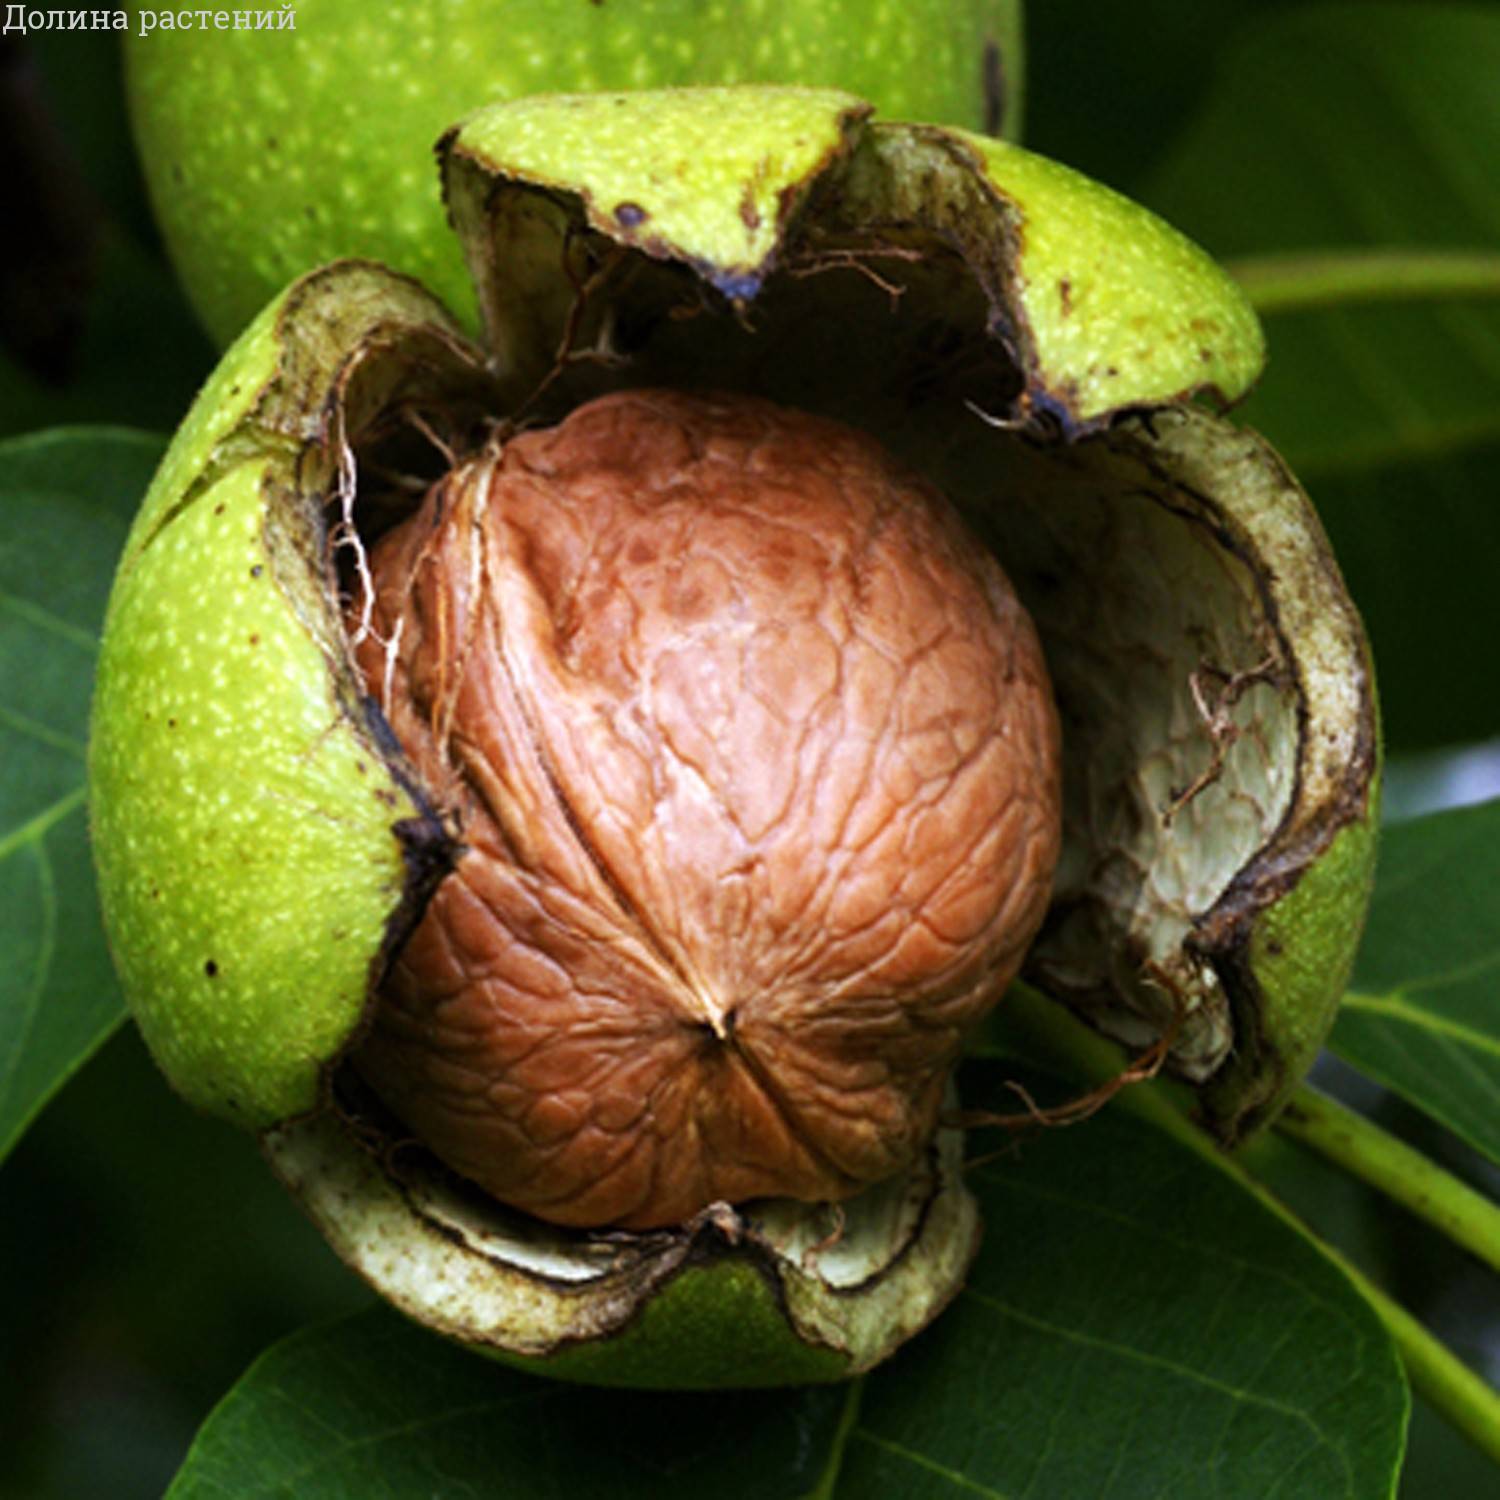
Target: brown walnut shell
[{"x": 754, "y": 761}]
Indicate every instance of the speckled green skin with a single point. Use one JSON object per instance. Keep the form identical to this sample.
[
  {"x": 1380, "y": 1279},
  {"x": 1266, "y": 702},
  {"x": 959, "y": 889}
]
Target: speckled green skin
[
  {"x": 665, "y": 1348},
  {"x": 262, "y": 909},
  {"x": 1301, "y": 953},
  {"x": 1122, "y": 308},
  {"x": 716, "y": 189},
  {"x": 243, "y": 820},
  {"x": 270, "y": 152}
]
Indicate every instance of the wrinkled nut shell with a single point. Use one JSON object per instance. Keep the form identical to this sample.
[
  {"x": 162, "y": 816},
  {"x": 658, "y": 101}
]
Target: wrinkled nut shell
[{"x": 755, "y": 763}]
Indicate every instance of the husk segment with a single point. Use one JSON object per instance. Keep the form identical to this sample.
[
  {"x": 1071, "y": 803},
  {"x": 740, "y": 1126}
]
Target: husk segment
[
  {"x": 763, "y": 1294},
  {"x": 254, "y": 833},
  {"x": 1093, "y": 302}
]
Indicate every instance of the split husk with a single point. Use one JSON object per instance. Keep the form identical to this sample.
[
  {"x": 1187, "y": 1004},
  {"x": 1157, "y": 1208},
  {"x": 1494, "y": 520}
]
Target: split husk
[{"x": 1045, "y": 352}]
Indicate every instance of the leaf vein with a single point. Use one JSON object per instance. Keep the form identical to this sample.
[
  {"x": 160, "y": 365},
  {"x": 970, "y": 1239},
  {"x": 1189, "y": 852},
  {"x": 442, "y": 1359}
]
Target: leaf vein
[
  {"x": 1182, "y": 1242},
  {"x": 34, "y": 830},
  {"x": 1393, "y": 1006},
  {"x": 44, "y": 734},
  {"x": 1155, "y": 1361},
  {"x": 931, "y": 1465},
  {"x": 31, "y": 1002},
  {"x": 44, "y": 619}
]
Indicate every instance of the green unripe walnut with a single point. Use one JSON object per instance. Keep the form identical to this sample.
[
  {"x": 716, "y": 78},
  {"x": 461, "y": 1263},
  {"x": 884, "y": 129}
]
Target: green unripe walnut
[
  {"x": 270, "y": 828},
  {"x": 269, "y": 152}
]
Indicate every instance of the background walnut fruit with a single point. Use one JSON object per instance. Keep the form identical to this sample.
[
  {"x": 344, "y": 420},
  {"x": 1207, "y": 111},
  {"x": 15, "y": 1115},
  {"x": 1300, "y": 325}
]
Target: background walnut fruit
[{"x": 754, "y": 762}]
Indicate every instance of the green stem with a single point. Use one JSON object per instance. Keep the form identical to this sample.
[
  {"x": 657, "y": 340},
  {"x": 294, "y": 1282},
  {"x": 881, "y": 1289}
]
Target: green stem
[
  {"x": 1395, "y": 1169},
  {"x": 1465, "y": 1398},
  {"x": 1048, "y": 1034},
  {"x": 1306, "y": 281},
  {"x": 848, "y": 1420}
]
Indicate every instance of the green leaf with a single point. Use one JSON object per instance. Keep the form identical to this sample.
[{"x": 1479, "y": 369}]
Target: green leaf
[
  {"x": 1135, "y": 1323},
  {"x": 1417, "y": 543},
  {"x": 1336, "y": 128},
  {"x": 1302, "y": 116},
  {"x": 1421, "y": 1016},
  {"x": 371, "y": 1405},
  {"x": 63, "y": 499}
]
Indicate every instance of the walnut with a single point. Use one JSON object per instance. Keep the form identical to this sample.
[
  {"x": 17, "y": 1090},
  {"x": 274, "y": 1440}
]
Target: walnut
[{"x": 753, "y": 757}]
